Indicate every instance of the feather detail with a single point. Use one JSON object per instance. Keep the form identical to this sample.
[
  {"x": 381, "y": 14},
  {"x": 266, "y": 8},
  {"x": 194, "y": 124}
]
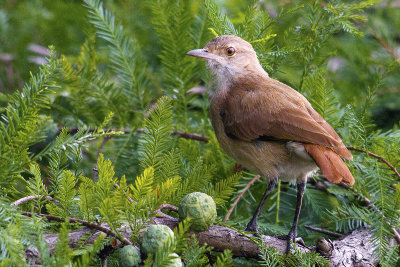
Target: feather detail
[
  {"x": 258, "y": 107},
  {"x": 330, "y": 163}
]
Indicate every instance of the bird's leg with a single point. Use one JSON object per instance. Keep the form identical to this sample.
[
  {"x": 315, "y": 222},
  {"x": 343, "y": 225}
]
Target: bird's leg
[
  {"x": 293, "y": 231},
  {"x": 252, "y": 225}
]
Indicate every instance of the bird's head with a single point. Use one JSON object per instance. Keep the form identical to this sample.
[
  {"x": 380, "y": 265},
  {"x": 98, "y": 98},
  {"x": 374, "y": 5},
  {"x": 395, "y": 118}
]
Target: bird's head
[{"x": 229, "y": 57}]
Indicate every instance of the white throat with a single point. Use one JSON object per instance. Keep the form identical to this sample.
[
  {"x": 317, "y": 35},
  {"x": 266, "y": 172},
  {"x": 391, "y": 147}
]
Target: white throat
[{"x": 224, "y": 74}]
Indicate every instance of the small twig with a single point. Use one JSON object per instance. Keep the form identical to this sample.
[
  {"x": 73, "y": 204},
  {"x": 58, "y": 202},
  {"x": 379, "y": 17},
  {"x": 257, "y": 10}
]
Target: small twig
[
  {"x": 240, "y": 196},
  {"x": 386, "y": 46},
  {"x": 105, "y": 140},
  {"x": 84, "y": 223},
  {"x": 193, "y": 136},
  {"x": 186, "y": 135},
  {"x": 376, "y": 156},
  {"x": 324, "y": 231},
  {"x": 29, "y": 198},
  {"x": 167, "y": 206},
  {"x": 128, "y": 197}
]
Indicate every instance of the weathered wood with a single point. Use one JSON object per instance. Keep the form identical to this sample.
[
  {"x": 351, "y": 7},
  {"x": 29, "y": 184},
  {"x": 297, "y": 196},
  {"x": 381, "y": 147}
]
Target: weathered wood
[{"x": 355, "y": 249}]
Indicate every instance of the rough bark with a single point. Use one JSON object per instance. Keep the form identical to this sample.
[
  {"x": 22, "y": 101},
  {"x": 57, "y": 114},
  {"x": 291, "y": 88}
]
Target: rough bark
[{"x": 354, "y": 249}]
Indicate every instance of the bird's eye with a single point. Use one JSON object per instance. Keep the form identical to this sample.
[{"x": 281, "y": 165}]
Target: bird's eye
[{"x": 230, "y": 51}]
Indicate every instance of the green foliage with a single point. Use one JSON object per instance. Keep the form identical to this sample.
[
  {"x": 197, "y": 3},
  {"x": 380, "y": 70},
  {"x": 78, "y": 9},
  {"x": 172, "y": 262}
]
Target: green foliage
[
  {"x": 172, "y": 22},
  {"x": 221, "y": 23},
  {"x": 222, "y": 190},
  {"x": 225, "y": 259},
  {"x": 94, "y": 133},
  {"x": 194, "y": 255},
  {"x": 12, "y": 249},
  {"x": 321, "y": 95},
  {"x": 21, "y": 121},
  {"x": 273, "y": 258},
  {"x": 90, "y": 251},
  {"x": 65, "y": 196},
  {"x": 62, "y": 249},
  {"x": 155, "y": 139},
  {"x": 124, "y": 52}
]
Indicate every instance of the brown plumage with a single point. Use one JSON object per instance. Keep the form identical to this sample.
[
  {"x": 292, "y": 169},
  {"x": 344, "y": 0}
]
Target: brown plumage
[
  {"x": 253, "y": 110},
  {"x": 267, "y": 126},
  {"x": 330, "y": 163}
]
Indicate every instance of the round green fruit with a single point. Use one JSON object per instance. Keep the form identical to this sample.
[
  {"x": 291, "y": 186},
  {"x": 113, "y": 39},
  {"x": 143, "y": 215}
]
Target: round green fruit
[
  {"x": 129, "y": 256},
  {"x": 155, "y": 237},
  {"x": 201, "y": 210},
  {"x": 176, "y": 262}
]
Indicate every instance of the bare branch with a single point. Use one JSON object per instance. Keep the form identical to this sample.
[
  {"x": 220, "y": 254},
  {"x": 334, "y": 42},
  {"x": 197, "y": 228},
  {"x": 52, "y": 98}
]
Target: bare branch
[
  {"x": 376, "y": 156},
  {"x": 29, "y": 198},
  {"x": 324, "y": 231},
  {"x": 240, "y": 196},
  {"x": 386, "y": 46},
  {"x": 84, "y": 223},
  {"x": 193, "y": 136},
  {"x": 167, "y": 206}
]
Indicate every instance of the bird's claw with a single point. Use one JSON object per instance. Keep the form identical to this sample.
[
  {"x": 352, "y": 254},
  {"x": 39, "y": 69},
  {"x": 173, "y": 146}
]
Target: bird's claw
[{"x": 289, "y": 239}]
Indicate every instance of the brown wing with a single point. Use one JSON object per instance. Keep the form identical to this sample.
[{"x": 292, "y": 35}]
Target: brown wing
[
  {"x": 275, "y": 110},
  {"x": 340, "y": 148}
]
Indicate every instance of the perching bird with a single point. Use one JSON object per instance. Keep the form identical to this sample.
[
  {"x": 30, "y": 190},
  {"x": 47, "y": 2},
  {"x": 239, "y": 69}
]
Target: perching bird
[{"x": 268, "y": 127}]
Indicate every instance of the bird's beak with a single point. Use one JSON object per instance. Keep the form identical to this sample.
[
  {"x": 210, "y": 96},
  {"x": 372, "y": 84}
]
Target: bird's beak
[{"x": 203, "y": 54}]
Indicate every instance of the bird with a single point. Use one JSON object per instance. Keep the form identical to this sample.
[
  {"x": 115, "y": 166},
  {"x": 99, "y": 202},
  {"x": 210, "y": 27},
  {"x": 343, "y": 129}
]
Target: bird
[{"x": 268, "y": 127}]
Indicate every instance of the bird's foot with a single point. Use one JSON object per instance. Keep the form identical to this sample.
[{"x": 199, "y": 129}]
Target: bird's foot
[
  {"x": 252, "y": 227},
  {"x": 289, "y": 239}
]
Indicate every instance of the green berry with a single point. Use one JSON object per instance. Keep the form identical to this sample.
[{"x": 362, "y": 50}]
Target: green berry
[
  {"x": 176, "y": 262},
  {"x": 155, "y": 237},
  {"x": 129, "y": 256},
  {"x": 201, "y": 210}
]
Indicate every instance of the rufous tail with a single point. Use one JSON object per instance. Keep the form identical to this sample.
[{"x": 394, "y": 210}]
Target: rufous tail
[{"x": 330, "y": 163}]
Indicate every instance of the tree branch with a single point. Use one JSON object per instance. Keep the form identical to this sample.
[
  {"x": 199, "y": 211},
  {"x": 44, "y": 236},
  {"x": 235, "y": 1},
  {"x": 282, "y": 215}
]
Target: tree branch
[
  {"x": 377, "y": 157},
  {"x": 324, "y": 231},
  {"x": 90, "y": 225},
  {"x": 29, "y": 198},
  {"x": 354, "y": 249}
]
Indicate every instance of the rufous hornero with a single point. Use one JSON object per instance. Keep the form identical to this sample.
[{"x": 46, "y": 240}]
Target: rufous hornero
[{"x": 268, "y": 127}]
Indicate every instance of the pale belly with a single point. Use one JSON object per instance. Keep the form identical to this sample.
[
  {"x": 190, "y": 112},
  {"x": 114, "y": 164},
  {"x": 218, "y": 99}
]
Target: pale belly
[{"x": 286, "y": 161}]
